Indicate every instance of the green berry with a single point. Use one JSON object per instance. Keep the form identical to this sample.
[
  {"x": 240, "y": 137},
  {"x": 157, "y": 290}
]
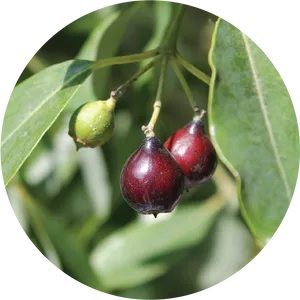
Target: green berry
[{"x": 92, "y": 124}]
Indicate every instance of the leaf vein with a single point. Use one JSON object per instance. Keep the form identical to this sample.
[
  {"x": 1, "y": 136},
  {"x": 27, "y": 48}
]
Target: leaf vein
[
  {"x": 266, "y": 119},
  {"x": 41, "y": 105}
]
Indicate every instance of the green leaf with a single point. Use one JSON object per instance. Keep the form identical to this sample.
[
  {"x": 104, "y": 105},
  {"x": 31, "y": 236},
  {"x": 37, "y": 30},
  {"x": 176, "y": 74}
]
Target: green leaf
[
  {"x": 64, "y": 157},
  {"x": 88, "y": 22},
  {"x": 109, "y": 45},
  {"x": 70, "y": 252},
  {"x": 162, "y": 15},
  {"x": 52, "y": 167},
  {"x": 132, "y": 247},
  {"x": 96, "y": 181},
  {"x": 89, "y": 51},
  {"x": 33, "y": 107},
  {"x": 232, "y": 248},
  {"x": 17, "y": 205},
  {"x": 103, "y": 42},
  {"x": 16, "y": 198},
  {"x": 253, "y": 127},
  {"x": 134, "y": 276},
  {"x": 39, "y": 165}
]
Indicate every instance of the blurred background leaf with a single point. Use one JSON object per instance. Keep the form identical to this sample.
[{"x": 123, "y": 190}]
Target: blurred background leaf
[
  {"x": 57, "y": 241},
  {"x": 162, "y": 13},
  {"x": 120, "y": 254},
  {"x": 69, "y": 202}
]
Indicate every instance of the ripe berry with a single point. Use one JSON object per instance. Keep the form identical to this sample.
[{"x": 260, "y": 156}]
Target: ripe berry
[
  {"x": 92, "y": 124},
  {"x": 151, "y": 180},
  {"x": 194, "y": 153}
]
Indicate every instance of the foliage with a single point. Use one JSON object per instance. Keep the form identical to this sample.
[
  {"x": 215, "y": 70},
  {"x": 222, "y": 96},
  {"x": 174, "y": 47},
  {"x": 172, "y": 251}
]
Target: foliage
[{"x": 69, "y": 202}]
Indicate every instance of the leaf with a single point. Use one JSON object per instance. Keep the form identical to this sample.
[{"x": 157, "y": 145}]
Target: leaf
[
  {"x": 253, "y": 127},
  {"x": 103, "y": 42},
  {"x": 134, "y": 276},
  {"x": 64, "y": 157},
  {"x": 133, "y": 246},
  {"x": 33, "y": 107},
  {"x": 109, "y": 45},
  {"x": 70, "y": 252},
  {"x": 162, "y": 15},
  {"x": 52, "y": 167},
  {"x": 89, "y": 51},
  {"x": 16, "y": 198},
  {"x": 39, "y": 165},
  {"x": 17, "y": 205},
  {"x": 96, "y": 181},
  {"x": 232, "y": 248},
  {"x": 88, "y": 22}
]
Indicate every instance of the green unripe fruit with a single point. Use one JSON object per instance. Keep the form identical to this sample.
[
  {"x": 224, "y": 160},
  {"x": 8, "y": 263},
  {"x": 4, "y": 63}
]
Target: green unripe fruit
[{"x": 92, "y": 124}]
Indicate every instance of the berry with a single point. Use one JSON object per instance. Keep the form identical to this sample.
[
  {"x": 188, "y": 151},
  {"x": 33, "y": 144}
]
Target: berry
[
  {"x": 151, "y": 180},
  {"x": 193, "y": 152},
  {"x": 92, "y": 124}
]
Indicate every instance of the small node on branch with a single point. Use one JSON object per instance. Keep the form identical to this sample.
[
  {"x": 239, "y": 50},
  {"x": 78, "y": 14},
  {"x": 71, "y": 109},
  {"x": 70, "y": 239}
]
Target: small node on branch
[{"x": 198, "y": 115}]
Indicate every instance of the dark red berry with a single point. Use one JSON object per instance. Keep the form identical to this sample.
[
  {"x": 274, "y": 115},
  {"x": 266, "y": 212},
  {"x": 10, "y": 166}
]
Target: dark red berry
[
  {"x": 151, "y": 180},
  {"x": 194, "y": 153}
]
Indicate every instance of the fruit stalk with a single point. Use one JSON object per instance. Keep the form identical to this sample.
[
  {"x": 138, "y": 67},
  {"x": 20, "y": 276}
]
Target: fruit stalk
[
  {"x": 126, "y": 59},
  {"x": 193, "y": 70},
  {"x": 185, "y": 86},
  {"x": 122, "y": 89},
  {"x": 148, "y": 130}
]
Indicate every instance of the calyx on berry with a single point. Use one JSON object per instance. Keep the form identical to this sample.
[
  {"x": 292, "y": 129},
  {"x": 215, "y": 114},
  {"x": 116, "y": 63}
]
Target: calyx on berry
[
  {"x": 92, "y": 124},
  {"x": 151, "y": 180},
  {"x": 194, "y": 153}
]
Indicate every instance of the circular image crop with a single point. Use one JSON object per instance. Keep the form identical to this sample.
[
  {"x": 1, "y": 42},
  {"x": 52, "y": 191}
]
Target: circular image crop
[{"x": 150, "y": 150}]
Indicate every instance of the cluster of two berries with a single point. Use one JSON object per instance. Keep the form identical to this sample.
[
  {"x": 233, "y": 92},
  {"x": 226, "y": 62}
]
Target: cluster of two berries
[{"x": 155, "y": 176}]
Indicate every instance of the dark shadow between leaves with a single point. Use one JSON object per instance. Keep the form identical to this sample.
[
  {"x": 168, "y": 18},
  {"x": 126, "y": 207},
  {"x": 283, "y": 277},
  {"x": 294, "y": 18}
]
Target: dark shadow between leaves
[{"x": 77, "y": 72}]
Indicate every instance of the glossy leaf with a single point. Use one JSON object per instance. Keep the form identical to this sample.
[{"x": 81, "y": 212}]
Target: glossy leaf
[
  {"x": 33, "y": 107},
  {"x": 183, "y": 228},
  {"x": 62, "y": 242},
  {"x": 253, "y": 127}
]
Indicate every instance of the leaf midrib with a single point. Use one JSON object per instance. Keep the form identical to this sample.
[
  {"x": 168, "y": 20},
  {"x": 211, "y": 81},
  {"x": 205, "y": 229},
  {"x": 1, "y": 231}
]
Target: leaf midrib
[
  {"x": 41, "y": 105},
  {"x": 266, "y": 118}
]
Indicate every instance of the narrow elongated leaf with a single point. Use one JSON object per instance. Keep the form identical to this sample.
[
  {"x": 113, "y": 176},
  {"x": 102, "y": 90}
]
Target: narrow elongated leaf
[
  {"x": 232, "y": 249},
  {"x": 184, "y": 228},
  {"x": 254, "y": 128},
  {"x": 70, "y": 252},
  {"x": 134, "y": 276},
  {"x": 162, "y": 15},
  {"x": 96, "y": 181},
  {"x": 109, "y": 44},
  {"x": 89, "y": 51},
  {"x": 103, "y": 42},
  {"x": 33, "y": 107}
]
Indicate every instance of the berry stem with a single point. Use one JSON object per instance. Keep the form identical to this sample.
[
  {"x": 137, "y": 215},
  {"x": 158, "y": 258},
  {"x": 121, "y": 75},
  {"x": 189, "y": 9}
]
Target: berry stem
[
  {"x": 199, "y": 116},
  {"x": 122, "y": 89},
  {"x": 126, "y": 59},
  {"x": 185, "y": 86},
  {"x": 149, "y": 129},
  {"x": 193, "y": 70}
]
